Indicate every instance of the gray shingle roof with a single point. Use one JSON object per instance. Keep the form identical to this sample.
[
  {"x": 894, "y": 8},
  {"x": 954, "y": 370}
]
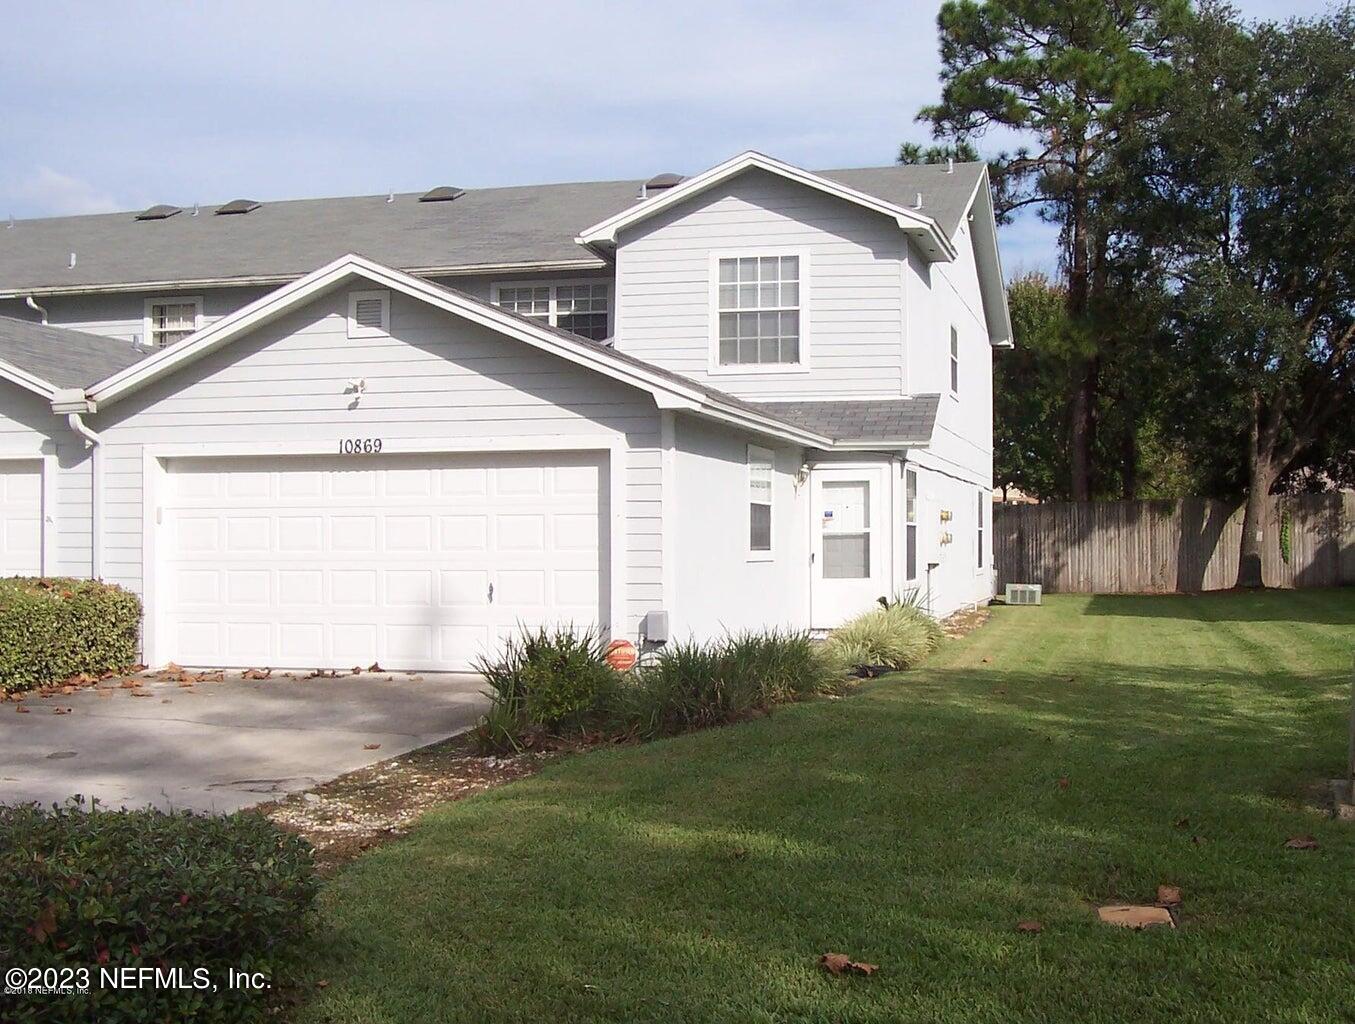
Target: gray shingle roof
[
  {"x": 904, "y": 420},
  {"x": 280, "y": 240},
  {"x": 64, "y": 358}
]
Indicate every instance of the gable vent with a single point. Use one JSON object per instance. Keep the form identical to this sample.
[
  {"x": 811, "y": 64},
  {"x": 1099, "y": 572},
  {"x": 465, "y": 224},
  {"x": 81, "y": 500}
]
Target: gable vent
[
  {"x": 442, "y": 194},
  {"x": 663, "y": 182},
  {"x": 368, "y": 314},
  {"x": 161, "y": 212},
  {"x": 237, "y": 206}
]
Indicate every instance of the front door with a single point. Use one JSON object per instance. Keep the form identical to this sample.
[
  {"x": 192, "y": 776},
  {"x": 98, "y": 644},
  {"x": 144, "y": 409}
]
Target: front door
[{"x": 850, "y": 546}]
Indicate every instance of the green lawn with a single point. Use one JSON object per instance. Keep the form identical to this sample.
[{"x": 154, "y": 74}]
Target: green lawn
[{"x": 911, "y": 825}]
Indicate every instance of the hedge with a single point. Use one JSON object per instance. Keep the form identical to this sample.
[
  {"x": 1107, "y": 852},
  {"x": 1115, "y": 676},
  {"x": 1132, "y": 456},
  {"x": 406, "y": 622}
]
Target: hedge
[
  {"x": 53, "y": 629},
  {"x": 121, "y": 891}
]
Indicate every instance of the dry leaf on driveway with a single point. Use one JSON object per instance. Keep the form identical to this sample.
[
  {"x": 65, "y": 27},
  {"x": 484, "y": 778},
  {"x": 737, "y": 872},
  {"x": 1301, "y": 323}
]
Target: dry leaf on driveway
[
  {"x": 61, "y": 711},
  {"x": 1300, "y": 843},
  {"x": 19, "y": 709},
  {"x": 257, "y": 673},
  {"x": 371, "y": 746}
]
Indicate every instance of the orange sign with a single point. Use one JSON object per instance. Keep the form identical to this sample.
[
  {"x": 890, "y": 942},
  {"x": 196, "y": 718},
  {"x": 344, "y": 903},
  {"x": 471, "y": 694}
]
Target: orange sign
[{"x": 621, "y": 655}]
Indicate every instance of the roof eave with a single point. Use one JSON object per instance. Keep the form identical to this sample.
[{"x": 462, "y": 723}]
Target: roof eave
[{"x": 604, "y": 235}]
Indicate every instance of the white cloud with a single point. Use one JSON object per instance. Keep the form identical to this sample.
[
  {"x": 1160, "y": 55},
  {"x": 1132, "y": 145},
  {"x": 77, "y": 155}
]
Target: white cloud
[{"x": 46, "y": 191}]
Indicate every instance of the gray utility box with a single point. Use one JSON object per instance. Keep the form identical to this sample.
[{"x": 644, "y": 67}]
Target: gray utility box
[{"x": 1024, "y": 593}]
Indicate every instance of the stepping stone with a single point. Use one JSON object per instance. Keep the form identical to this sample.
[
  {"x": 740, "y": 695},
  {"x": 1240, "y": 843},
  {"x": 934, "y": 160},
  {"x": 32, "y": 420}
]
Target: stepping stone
[{"x": 1137, "y": 918}]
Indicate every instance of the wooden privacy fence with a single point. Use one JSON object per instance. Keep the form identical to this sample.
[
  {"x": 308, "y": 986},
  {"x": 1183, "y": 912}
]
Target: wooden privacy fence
[{"x": 1154, "y": 547}]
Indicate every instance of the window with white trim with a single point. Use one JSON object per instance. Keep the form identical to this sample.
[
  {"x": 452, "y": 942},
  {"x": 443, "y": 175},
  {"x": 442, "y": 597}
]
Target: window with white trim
[
  {"x": 759, "y": 310},
  {"x": 582, "y": 308},
  {"x": 761, "y": 470},
  {"x": 369, "y": 314},
  {"x": 910, "y": 523},
  {"x": 171, "y": 320},
  {"x": 979, "y": 521},
  {"x": 954, "y": 361}
]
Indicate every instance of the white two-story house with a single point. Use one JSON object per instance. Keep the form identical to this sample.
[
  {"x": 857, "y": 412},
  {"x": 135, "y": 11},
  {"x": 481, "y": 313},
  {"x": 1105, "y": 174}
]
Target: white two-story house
[{"x": 332, "y": 432}]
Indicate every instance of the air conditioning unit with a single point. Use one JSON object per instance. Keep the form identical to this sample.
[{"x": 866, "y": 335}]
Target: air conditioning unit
[{"x": 1024, "y": 593}]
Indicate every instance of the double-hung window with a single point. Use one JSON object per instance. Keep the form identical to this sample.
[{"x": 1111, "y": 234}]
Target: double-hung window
[
  {"x": 954, "y": 361},
  {"x": 979, "y": 521},
  {"x": 581, "y": 308},
  {"x": 758, "y": 310},
  {"x": 171, "y": 320},
  {"x": 761, "y": 468},
  {"x": 910, "y": 523}
]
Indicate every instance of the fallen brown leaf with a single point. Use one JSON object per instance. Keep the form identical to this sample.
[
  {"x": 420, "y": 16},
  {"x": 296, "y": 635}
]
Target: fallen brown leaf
[
  {"x": 375, "y": 667},
  {"x": 1065, "y": 782},
  {"x": 1300, "y": 843},
  {"x": 61, "y": 711},
  {"x": 371, "y": 746},
  {"x": 322, "y": 983},
  {"x": 130, "y": 684},
  {"x": 986, "y": 661},
  {"x": 1030, "y": 927},
  {"x": 1181, "y": 823},
  {"x": 840, "y": 963},
  {"x": 257, "y": 673},
  {"x": 20, "y": 709},
  {"x": 1169, "y": 895},
  {"x": 138, "y": 693}
]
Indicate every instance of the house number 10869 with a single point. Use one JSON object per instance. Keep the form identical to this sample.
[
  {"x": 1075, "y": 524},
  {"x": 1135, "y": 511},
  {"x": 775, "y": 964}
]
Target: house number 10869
[{"x": 360, "y": 446}]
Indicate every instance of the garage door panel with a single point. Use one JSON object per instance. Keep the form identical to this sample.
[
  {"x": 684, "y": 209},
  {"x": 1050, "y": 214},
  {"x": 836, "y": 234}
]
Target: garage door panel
[{"x": 422, "y": 562}]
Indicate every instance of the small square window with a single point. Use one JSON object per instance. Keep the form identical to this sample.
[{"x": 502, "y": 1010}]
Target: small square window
[
  {"x": 758, "y": 308},
  {"x": 170, "y": 321}
]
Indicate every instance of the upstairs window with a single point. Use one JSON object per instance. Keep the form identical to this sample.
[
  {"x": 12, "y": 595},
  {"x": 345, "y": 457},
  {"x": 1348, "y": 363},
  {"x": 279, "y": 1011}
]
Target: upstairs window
[
  {"x": 759, "y": 311},
  {"x": 581, "y": 308},
  {"x": 761, "y": 468},
  {"x": 171, "y": 320},
  {"x": 954, "y": 361}
]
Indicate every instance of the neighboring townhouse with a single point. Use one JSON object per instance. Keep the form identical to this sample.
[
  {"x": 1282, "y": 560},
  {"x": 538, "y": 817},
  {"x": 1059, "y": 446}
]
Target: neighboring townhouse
[{"x": 329, "y": 432}]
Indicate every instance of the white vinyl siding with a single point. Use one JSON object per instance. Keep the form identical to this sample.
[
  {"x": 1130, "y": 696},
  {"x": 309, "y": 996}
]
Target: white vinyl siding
[
  {"x": 434, "y": 379},
  {"x": 851, "y": 294}
]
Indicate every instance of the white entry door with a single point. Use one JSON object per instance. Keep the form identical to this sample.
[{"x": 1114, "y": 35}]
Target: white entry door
[
  {"x": 20, "y": 517},
  {"x": 850, "y": 545},
  {"x": 410, "y": 561}
]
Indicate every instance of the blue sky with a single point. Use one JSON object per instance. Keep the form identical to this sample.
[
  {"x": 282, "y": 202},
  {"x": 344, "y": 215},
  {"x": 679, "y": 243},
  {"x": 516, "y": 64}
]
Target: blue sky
[{"x": 117, "y": 106}]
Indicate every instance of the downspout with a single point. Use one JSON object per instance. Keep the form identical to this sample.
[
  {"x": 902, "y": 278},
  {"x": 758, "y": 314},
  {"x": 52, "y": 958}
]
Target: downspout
[
  {"x": 92, "y": 442},
  {"x": 73, "y": 403},
  {"x": 28, "y": 301}
]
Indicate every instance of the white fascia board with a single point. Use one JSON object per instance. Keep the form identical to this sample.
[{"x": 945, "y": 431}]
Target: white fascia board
[
  {"x": 605, "y": 233},
  {"x": 992, "y": 282},
  {"x": 298, "y": 292},
  {"x": 268, "y": 280},
  {"x": 27, "y": 381}
]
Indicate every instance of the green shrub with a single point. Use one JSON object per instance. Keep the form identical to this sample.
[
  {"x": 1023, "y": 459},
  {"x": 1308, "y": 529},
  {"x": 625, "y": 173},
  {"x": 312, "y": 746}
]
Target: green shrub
[
  {"x": 53, "y": 629},
  {"x": 692, "y": 685},
  {"x": 146, "y": 889},
  {"x": 545, "y": 679},
  {"x": 894, "y": 636}
]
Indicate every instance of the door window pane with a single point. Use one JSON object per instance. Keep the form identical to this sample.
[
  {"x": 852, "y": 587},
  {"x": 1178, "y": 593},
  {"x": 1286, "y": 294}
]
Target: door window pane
[{"x": 846, "y": 556}]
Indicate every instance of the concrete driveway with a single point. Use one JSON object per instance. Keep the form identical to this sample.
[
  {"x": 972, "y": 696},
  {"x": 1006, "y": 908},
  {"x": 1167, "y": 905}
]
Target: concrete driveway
[{"x": 220, "y": 746}]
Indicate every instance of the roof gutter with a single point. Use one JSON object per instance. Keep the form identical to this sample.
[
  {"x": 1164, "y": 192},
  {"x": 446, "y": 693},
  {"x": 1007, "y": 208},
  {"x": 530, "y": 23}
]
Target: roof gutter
[
  {"x": 74, "y": 403},
  {"x": 265, "y": 280}
]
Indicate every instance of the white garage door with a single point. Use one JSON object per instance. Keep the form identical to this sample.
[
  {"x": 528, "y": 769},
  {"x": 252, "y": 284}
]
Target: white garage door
[
  {"x": 21, "y": 518},
  {"x": 412, "y": 561}
]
